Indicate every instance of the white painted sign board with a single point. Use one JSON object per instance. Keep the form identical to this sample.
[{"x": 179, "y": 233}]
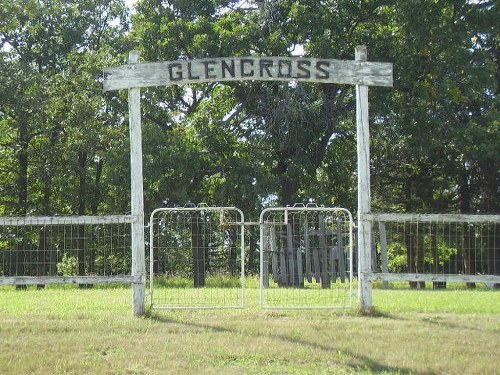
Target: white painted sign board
[{"x": 225, "y": 69}]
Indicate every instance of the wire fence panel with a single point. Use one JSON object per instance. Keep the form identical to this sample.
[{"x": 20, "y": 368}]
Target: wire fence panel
[
  {"x": 197, "y": 258},
  {"x": 48, "y": 250},
  {"x": 438, "y": 248},
  {"x": 306, "y": 257}
]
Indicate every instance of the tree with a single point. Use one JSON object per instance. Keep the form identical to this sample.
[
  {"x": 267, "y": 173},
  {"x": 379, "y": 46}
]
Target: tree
[{"x": 52, "y": 58}]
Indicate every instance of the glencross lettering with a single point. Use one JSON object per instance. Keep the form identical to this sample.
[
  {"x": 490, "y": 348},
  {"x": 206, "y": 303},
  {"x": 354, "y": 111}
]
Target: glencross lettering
[
  {"x": 248, "y": 68},
  {"x": 223, "y": 69}
]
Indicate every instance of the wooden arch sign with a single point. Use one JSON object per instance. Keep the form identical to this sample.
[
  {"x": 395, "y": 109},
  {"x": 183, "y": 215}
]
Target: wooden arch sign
[
  {"x": 359, "y": 72},
  {"x": 225, "y": 69}
]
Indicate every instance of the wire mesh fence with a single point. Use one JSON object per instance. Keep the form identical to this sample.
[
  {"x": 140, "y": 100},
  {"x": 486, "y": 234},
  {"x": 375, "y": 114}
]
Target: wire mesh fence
[
  {"x": 197, "y": 258},
  {"x": 448, "y": 247},
  {"x": 306, "y": 257},
  {"x": 45, "y": 250}
]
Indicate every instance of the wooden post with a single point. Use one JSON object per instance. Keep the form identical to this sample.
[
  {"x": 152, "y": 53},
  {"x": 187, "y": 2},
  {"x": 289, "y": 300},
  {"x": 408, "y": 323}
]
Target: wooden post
[
  {"x": 265, "y": 249},
  {"x": 325, "y": 275},
  {"x": 274, "y": 253},
  {"x": 197, "y": 251},
  {"x": 298, "y": 251},
  {"x": 364, "y": 225},
  {"x": 283, "y": 280},
  {"x": 307, "y": 252},
  {"x": 290, "y": 254},
  {"x": 383, "y": 251},
  {"x": 340, "y": 245},
  {"x": 316, "y": 261},
  {"x": 136, "y": 192}
]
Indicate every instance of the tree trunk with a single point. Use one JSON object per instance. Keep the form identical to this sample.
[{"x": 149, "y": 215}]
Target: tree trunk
[
  {"x": 410, "y": 256},
  {"x": 198, "y": 251},
  {"x": 288, "y": 185},
  {"x": 465, "y": 208},
  {"x": 436, "y": 268},
  {"x": 409, "y": 241},
  {"x": 82, "y": 190},
  {"x": 491, "y": 203},
  {"x": 420, "y": 254},
  {"x": 251, "y": 266},
  {"x": 94, "y": 206},
  {"x": 233, "y": 246},
  {"x": 42, "y": 254},
  {"x": 22, "y": 200},
  {"x": 494, "y": 252}
]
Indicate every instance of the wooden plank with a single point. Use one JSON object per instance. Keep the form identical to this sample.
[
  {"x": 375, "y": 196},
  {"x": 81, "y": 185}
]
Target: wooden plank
[
  {"x": 374, "y": 251},
  {"x": 307, "y": 252},
  {"x": 325, "y": 274},
  {"x": 440, "y": 218},
  {"x": 298, "y": 250},
  {"x": 283, "y": 276},
  {"x": 265, "y": 256},
  {"x": 198, "y": 247},
  {"x": 274, "y": 252},
  {"x": 334, "y": 256},
  {"x": 67, "y": 220},
  {"x": 340, "y": 244},
  {"x": 224, "y": 69},
  {"x": 383, "y": 251},
  {"x": 432, "y": 277},
  {"x": 317, "y": 262},
  {"x": 46, "y": 280},
  {"x": 292, "y": 276}
]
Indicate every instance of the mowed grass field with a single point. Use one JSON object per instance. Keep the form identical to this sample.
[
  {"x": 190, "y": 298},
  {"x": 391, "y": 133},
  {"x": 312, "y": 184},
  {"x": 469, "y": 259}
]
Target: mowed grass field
[{"x": 65, "y": 330}]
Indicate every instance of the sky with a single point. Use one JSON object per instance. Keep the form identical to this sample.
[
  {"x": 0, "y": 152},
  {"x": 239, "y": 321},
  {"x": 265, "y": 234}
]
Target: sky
[{"x": 130, "y": 3}]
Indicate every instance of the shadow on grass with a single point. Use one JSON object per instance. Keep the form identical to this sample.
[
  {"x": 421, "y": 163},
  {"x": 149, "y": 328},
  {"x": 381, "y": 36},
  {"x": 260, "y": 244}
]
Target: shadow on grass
[
  {"x": 434, "y": 319},
  {"x": 366, "y": 363}
]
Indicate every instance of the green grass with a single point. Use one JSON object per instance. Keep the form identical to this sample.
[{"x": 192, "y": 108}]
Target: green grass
[{"x": 65, "y": 330}]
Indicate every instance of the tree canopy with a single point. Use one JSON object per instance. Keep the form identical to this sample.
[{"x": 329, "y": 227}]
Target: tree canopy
[{"x": 435, "y": 135}]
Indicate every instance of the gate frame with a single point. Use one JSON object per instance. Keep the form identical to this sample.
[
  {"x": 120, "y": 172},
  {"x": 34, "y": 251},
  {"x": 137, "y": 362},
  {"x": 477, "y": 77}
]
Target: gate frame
[
  {"x": 306, "y": 208},
  {"x": 241, "y": 224},
  {"x": 360, "y": 73}
]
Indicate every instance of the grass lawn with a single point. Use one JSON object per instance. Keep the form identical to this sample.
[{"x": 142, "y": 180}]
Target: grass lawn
[{"x": 64, "y": 330}]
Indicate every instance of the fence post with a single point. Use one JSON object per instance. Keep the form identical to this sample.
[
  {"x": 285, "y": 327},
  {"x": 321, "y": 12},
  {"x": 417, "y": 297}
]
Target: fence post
[
  {"x": 364, "y": 196},
  {"x": 136, "y": 192}
]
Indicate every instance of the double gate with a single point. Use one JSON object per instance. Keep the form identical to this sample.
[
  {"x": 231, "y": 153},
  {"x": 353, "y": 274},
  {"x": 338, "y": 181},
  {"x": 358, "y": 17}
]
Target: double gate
[{"x": 198, "y": 257}]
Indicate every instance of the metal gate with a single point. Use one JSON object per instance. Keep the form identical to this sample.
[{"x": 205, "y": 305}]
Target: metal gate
[
  {"x": 306, "y": 257},
  {"x": 197, "y": 258}
]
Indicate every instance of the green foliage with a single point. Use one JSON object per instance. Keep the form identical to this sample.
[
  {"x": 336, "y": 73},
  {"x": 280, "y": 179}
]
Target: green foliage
[
  {"x": 56, "y": 122},
  {"x": 443, "y": 253},
  {"x": 435, "y": 136},
  {"x": 68, "y": 266},
  {"x": 112, "y": 264},
  {"x": 397, "y": 254}
]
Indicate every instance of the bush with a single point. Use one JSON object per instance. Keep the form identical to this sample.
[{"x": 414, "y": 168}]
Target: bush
[{"x": 68, "y": 266}]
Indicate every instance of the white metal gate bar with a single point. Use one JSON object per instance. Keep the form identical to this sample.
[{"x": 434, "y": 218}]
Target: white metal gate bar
[
  {"x": 306, "y": 257},
  {"x": 197, "y": 258}
]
